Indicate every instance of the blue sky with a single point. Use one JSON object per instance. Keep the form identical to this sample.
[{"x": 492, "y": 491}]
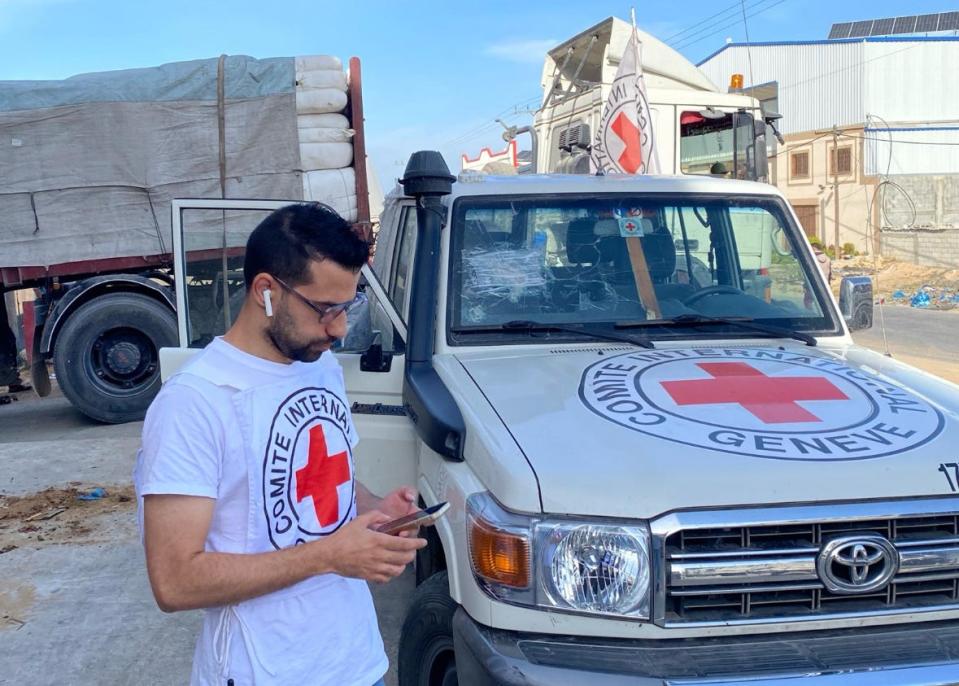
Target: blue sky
[{"x": 436, "y": 74}]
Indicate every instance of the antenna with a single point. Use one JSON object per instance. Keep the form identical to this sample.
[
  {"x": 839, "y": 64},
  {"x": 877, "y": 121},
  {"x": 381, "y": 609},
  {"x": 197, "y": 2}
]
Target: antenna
[{"x": 749, "y": 52}]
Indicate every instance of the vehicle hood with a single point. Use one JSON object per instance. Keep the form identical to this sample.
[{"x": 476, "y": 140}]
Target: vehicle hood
[{"x": 637, "y": 433}]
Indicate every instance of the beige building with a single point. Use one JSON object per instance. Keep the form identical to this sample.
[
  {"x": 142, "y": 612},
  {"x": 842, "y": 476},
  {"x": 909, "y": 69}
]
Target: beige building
[{"x": 813, "y": 175}]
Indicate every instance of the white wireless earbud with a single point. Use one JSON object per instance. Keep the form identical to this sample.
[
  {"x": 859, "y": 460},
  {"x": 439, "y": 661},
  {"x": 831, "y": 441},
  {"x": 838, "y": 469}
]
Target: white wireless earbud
[{"x": 268, "y": 302}]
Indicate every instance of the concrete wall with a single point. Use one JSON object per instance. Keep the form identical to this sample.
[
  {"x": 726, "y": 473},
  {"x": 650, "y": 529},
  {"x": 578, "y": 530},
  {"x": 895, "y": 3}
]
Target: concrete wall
[
  {"x": 928, "y": 248},
  {"x": 921, "y": 201},
  {"x": 920, "y": 219}
]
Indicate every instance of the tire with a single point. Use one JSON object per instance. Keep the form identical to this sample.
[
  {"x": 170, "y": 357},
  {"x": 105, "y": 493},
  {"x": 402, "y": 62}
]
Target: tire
[
  {"x": 106, "y": 356},
  {"x": 426, "y": 642}
]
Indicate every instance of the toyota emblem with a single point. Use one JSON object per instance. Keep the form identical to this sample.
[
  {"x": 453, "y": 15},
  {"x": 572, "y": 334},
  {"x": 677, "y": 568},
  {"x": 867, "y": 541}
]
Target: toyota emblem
[{"x": 857, "y": 564}]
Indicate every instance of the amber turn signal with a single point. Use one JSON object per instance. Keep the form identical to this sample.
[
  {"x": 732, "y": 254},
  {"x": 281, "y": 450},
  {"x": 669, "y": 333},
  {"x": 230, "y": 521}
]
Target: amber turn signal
[{"x": 499, "y": 556}]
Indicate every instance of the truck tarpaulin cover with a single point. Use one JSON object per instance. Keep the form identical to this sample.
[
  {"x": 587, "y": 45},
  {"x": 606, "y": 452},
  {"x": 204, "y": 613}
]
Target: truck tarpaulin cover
[{"x": 88, "y": 165}]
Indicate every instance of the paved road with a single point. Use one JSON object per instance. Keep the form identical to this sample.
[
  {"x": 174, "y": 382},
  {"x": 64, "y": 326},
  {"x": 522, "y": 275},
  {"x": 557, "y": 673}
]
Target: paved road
[{"x": 928, "y": 339}]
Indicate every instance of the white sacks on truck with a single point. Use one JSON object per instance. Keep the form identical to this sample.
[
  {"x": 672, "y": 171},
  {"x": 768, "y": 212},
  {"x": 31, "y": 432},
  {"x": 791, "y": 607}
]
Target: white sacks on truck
[
  {"x": 335, "y": 187},
  {"x": 325, "y": 136}
]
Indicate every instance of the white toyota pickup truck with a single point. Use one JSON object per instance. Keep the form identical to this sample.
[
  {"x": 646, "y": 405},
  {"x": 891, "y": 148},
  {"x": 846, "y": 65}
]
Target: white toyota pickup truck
[{"x": 657, "y": 475}]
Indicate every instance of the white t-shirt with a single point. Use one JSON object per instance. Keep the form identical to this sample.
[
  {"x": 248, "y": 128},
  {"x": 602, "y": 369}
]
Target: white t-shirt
[{"x": 273, "y": 445}]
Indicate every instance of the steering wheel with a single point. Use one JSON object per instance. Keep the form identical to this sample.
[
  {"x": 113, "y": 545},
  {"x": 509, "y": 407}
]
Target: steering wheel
[{"x": 721, "y": 289}]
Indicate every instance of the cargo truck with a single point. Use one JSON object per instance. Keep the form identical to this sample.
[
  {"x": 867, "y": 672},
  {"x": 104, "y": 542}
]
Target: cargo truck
[
  {"x": 698, "y": 127},
  {"x": 88, "y": 167}
]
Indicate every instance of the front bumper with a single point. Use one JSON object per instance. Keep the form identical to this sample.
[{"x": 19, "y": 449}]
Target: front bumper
[{"x": 912, "y": 654}]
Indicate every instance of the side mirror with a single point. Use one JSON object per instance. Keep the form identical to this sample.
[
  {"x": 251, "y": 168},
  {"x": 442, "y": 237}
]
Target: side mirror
[
  {"x": 359, "y": 333},
  {"x": 374, "y": 359},
  {"x": 760, "y": 161},
  {"x": 780, "y": 243},
  {"x": 855, "y": 302}
]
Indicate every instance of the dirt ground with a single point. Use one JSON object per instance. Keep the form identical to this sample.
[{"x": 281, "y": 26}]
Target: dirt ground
[
  {"x": 59, "y": 515},
  {"x": 891, "y": 275}
]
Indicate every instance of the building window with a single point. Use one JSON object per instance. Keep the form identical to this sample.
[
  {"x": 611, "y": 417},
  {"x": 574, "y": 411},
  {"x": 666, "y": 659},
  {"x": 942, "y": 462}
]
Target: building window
[
  {"x": 799, "y": 165},
  {"x": 840, "y": 162}
]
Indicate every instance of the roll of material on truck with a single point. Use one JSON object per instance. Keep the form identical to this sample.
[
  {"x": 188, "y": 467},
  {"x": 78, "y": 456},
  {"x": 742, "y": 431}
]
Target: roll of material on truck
[
  {"x": 319, "y": 100},
  {"x": 329, "y": 120},
  {"x": 335, "y": 187},
  {"x": 322, "y": 78},
  {"x": 324, "y": 135}
]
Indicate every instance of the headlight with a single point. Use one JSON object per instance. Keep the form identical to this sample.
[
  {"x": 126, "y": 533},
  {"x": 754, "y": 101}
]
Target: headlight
[
  {"x": 591, "y": 567},
  {"x": 595, "y": 568}
]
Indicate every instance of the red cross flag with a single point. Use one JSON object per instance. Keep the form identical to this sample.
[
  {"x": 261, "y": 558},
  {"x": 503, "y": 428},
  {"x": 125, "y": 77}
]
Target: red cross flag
[{"x": 624, "y": 140}]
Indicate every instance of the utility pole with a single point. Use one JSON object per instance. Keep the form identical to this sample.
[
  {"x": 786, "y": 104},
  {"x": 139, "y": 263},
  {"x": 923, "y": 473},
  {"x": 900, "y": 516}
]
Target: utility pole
[{"x": 834, "y": 160}]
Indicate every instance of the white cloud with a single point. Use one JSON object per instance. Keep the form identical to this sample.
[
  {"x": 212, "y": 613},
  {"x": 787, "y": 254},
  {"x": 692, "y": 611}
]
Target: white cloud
[
  {"x": 12, "y": 10},
  {"x": 522, "y": 50}
]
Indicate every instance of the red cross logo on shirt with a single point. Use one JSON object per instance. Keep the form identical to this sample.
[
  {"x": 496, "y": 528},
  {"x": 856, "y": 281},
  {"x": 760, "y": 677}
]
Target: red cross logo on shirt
[
  {"x": 320, "y": 477},
  {"x": 771, "y": 400},
  {"x": 632, "y": 157}
]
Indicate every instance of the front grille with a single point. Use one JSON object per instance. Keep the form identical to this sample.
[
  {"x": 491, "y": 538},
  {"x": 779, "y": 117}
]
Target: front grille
[{"x": 768, "y": 572}]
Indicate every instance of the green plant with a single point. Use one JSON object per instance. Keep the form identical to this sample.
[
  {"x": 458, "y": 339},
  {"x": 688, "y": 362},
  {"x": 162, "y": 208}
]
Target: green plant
[
  {"x": 831, "y": 252},
  {"x": 849, "y": 249},
  {"x": 815, "y": 242}
]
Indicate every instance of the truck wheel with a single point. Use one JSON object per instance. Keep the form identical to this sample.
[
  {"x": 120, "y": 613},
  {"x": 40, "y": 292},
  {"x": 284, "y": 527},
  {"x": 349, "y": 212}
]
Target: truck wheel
[
  {"x": 106, "y": 356},
  {"x": 426, "y": 642}
]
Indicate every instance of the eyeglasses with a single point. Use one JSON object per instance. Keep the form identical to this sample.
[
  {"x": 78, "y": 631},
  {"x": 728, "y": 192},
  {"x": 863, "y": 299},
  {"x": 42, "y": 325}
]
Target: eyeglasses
[{"x": 327, "y": 312}]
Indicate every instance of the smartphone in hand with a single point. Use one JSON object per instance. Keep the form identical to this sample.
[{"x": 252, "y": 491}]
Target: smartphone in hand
[{"x": 415, "y": 519}]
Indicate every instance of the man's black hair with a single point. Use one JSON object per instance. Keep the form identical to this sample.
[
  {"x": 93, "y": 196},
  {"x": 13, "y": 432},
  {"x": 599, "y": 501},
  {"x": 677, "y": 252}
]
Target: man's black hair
[{"x": 283, "y": 244}]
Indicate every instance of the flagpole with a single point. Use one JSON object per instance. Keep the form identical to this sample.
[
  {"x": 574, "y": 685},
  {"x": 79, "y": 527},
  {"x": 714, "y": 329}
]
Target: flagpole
[{"x": 639, "y": 68}]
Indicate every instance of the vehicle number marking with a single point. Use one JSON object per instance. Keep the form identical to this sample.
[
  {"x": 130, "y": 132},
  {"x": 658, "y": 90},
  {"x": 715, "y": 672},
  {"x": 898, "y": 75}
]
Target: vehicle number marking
[{"x": 953, "y": 480}]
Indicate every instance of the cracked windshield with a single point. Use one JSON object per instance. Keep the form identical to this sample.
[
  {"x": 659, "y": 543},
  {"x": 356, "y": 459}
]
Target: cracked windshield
[{"x": 617, "y": 260}]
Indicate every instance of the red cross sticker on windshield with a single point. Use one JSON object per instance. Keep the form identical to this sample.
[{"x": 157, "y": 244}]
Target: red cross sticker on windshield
[
  {"x": 632, "y": 157},
  {"x": 320, "y": 477},
  {"x": 772, "y": 400}
]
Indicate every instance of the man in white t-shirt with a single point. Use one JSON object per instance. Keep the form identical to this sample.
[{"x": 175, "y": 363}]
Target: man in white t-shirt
[{"x": 248, "y": 503}]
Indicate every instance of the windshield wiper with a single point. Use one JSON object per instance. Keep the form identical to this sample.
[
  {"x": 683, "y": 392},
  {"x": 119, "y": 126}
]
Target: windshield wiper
[
  {"x": 702, "y": 320},
  {"x": 531, "y": 327}
]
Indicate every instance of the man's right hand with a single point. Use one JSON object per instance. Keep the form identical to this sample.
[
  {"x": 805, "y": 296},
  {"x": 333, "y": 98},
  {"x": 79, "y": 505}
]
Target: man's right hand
[{"x": 357, "y": 551}]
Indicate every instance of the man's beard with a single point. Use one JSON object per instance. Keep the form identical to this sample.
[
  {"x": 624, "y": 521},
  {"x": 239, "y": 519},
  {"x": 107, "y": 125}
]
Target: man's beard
[{"x": 282, "y": 333}]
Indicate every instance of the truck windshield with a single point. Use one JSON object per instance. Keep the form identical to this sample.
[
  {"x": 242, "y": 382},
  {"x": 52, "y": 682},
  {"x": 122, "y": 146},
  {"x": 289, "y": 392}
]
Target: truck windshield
[{"x": 605, "y": 261}]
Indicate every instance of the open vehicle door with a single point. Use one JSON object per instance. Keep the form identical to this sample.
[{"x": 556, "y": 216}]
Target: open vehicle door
[{"x": 209, "y": 239}]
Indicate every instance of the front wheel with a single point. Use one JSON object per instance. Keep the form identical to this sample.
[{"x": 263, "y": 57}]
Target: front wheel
[
  {"x": 426, "y": 643},
  {"x": 106, "y": 356}
]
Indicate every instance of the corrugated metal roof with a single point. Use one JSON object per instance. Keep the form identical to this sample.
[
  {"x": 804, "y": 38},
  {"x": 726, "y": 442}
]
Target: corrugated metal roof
[
  {"x": 822, "y": 84},
  {"x": 817, "y": 88},
  {"x": 832, "y": 41}
]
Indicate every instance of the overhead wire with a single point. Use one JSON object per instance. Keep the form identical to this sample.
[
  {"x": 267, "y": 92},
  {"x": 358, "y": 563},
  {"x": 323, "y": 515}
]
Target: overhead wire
[
  {"x": 749, "y": 54},
  {"x": 710, "y": 31},
  {"x": 710, "y": 28},
  {"x": 492, "y": 124},
  {"x": 732, "y": 8}
]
